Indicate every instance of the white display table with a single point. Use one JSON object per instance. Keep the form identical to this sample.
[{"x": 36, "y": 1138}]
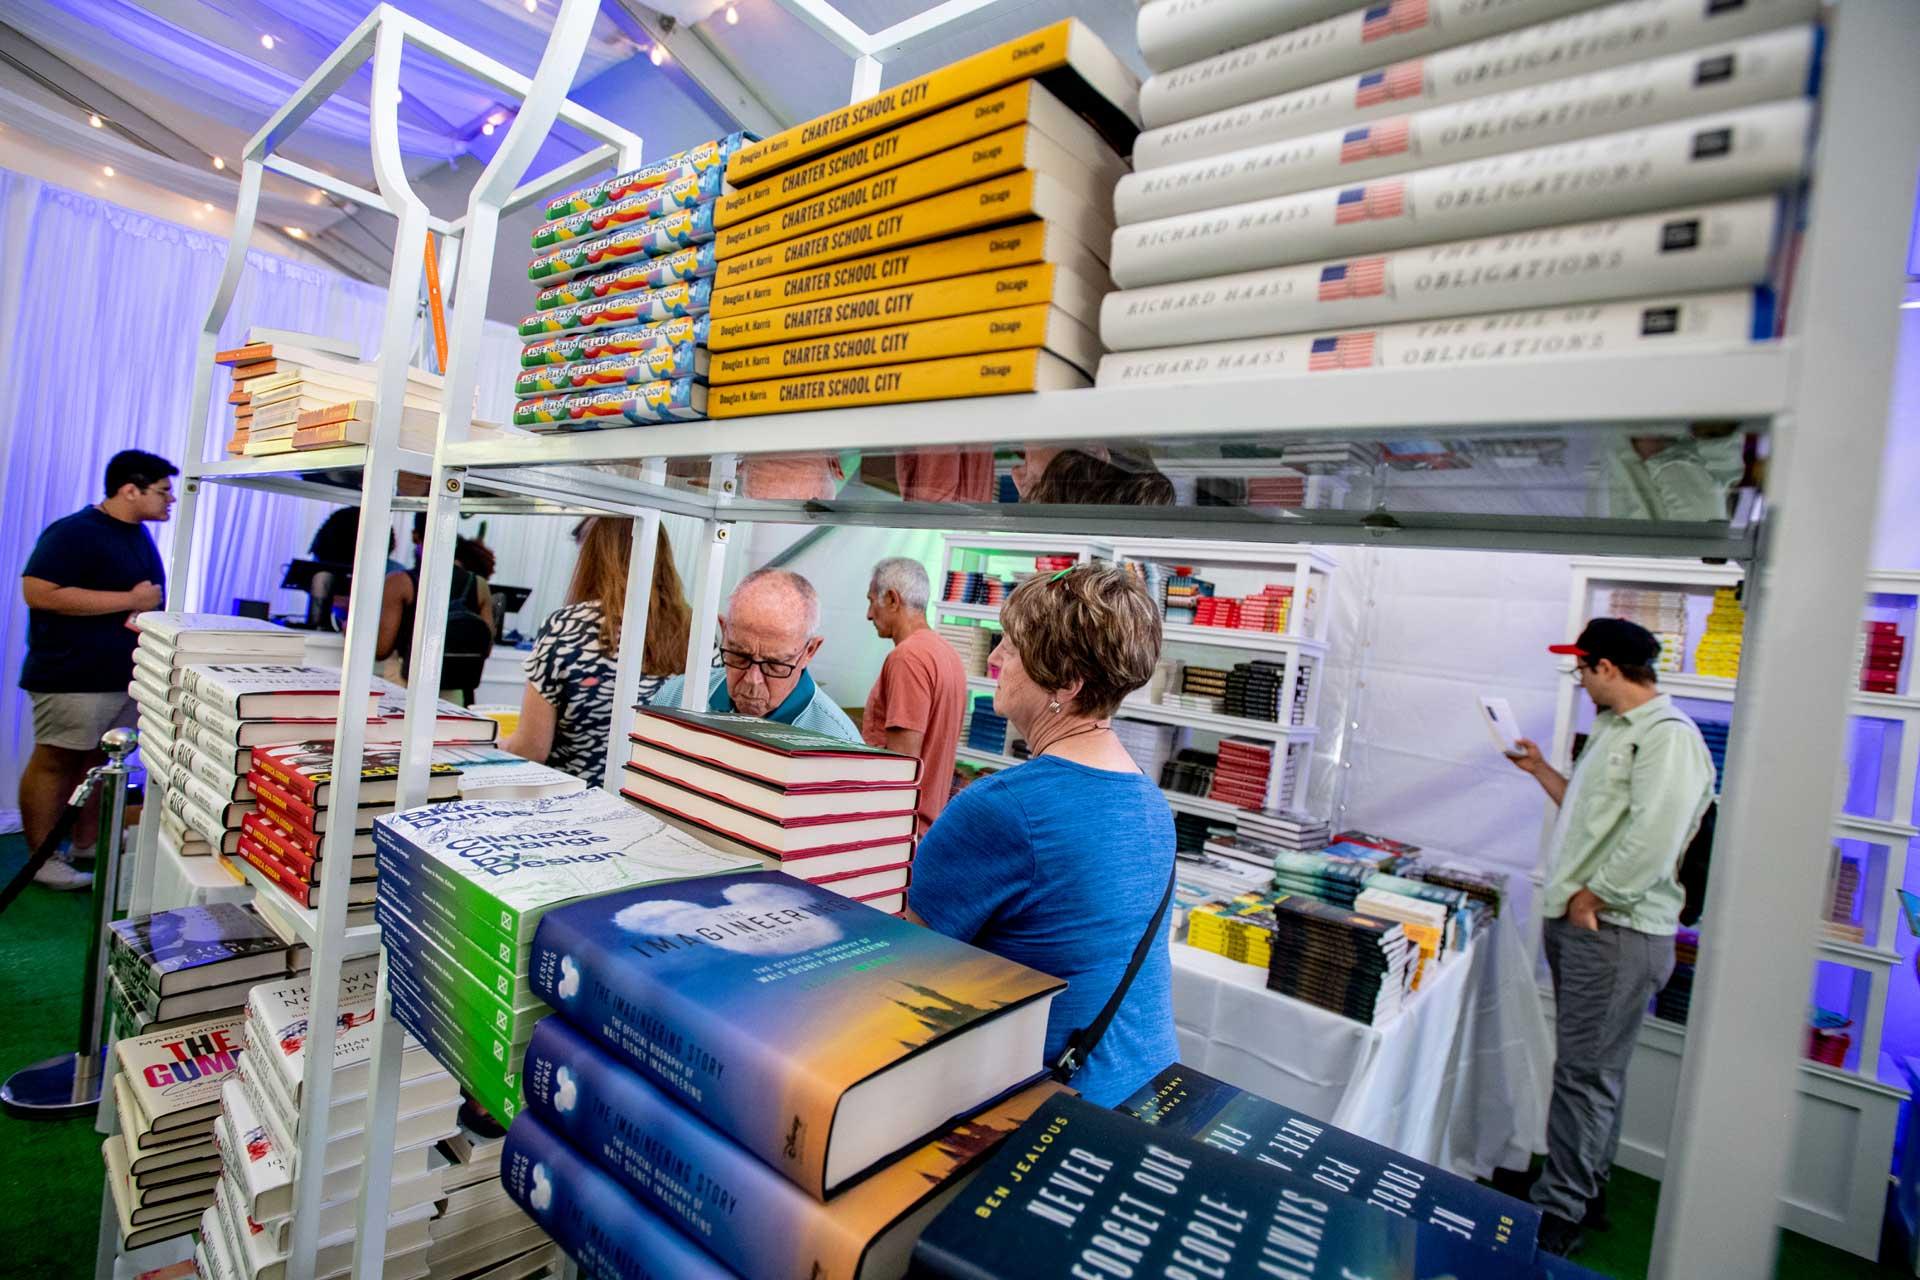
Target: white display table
[{"x": 1459, "y": 1078}]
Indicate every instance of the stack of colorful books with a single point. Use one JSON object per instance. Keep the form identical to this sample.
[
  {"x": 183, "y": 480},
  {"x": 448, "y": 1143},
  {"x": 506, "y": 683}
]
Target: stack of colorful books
[
  {"x": 1327, "y": 875},
  {"x": 461, "y": 887},
  {"x": 1240, "y": 928},
  {"x": 749, "y": 1075},
  {"x": 975, "y": 588},
  {"x": 162, "y": 1164},
  {"x": 1664, "y": 613},
  {"x": 1353, "y": 964},
  {"x": 1486, "y": 888},
  {"x": 1182, "y": 595},
  {"x": 625, "y": 271},
  {"x": 944, "y": 238},
  {"x": 295, "y": 391},
  {"x": 1371, "y": 136},
  {"x": 1719, "y": 651}
]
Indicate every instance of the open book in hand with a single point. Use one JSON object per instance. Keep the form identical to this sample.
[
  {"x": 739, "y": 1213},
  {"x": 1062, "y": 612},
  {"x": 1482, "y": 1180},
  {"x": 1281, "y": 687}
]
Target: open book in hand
[{"x": 1497, "y": 715}]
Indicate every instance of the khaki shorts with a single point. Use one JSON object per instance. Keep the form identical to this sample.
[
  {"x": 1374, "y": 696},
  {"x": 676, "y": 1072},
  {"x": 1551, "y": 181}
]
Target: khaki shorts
[{"x": 75, "y": 721}]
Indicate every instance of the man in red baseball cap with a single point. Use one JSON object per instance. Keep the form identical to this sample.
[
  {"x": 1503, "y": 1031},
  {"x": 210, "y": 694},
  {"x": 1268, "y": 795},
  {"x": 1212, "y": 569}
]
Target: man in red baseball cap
[{"x": 1611, "y": 905}]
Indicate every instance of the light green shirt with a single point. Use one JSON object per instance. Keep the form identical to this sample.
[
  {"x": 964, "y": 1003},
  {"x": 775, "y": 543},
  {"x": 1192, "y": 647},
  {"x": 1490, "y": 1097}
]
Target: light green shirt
[{"x": 1631, "y": 807}]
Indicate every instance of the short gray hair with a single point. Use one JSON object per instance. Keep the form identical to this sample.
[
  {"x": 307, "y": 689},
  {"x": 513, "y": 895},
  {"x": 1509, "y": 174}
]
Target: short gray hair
[
  {"x": 906, "y": 578},
  {"x": 799, "y": 586}
]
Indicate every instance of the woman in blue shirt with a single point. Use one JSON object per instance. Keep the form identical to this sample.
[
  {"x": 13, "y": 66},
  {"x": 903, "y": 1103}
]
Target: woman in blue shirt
[{"x": 1061, "y": 862}]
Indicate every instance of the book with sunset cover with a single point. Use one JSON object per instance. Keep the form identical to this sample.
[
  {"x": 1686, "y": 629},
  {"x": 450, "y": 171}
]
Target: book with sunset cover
[
  {"x": 807, "y": 1027},
  {"x": 748, "y": 1216}
]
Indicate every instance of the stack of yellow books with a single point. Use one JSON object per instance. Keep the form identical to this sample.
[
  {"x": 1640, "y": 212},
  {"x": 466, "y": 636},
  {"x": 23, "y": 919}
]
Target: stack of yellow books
[
  {"x": 945, "y": 238},
  {"x": 1241, "y": 929},
  {"x": 1719, "y": 651}
]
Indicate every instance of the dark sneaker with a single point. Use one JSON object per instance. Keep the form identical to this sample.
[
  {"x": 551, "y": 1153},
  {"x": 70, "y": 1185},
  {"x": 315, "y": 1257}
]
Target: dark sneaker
[
  {"x": 1558, "y": 1236},
  {"x": 1596, "y": 1218}
]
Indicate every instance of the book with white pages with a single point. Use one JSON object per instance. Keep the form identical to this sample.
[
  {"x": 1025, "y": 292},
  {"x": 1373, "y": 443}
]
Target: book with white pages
[
  {"x": 139, "y": 1226},
  {"x": 1173, "y": 32},
  {"x": 419, "y": 1120},
  {"x": 214, "y": 771},
  {"x": 257, "y": 1259},
  {"x": 180, "y": 638},
  {"x": 268, "y": 691},
  {"x": 1497, "y": 714}
]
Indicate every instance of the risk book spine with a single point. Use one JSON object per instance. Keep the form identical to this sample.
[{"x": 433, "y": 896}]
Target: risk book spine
[
  {"x": 687, "y": 191},
  {"x": 602, "y": 1228},
  {"x": 1039, "y": 325},
  {"x": 602, "y": 344},
  {"x": 905, "y": 304},
  {"x": 994, "y": 374},
  {"x": 1685, "y": 322},
  {"x": 1174, "y": 32},
  {"x": 707, "y": 157},
  {"x": 637, "y": 368},
  {"x": 645, "y": 240},
  {"x": 1703, "y": 247},
  {"x": 695, "y": 263},
  {"x": 648, "y": 403},
  {"x": 1610, "y": 36},
  {"x": 1025, "y": 102},
  {"x": 1761, "y": 69},
  {"x": 220, "y": 780},
  {"x": 647, "y": 307},
  {"x": 1352, "y": 41},
  {"x": 1007, "y": 151},
  {"x": 1011, "y": 198},
  {"x": 1047, "y": 1202},
  {"x": 980, "y": 252},
  {"x": 1715, "y": 157},
  {"x": 213, "y": 803},
  {"x": 1066, "y": 57},
  {"x": 690, "y": 984}
]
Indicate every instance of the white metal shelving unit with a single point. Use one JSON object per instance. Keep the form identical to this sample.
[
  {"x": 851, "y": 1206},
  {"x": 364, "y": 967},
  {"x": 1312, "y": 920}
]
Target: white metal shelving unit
[
  {"x": 1822, "y": 397},
  {"x": 466, "y": 248}
]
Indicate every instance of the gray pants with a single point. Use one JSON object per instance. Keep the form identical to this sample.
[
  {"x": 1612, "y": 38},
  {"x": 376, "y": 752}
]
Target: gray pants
[{"x": 1602, "y": 981}]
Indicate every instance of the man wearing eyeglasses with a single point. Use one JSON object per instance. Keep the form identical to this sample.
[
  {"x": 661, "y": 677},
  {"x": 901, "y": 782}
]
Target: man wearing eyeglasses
[
  {"x": 86, "y": 574},
  {"x": 769, "y": 634},
  {"x": 1611, "y": 905}
]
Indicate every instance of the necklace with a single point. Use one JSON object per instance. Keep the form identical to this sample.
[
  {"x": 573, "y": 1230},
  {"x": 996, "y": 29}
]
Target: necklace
[{"x": 1042, "y": 748}]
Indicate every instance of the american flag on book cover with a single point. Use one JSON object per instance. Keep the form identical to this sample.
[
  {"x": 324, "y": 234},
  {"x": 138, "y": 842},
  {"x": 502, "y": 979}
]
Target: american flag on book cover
[
  {"x": 1399, "y": 16},
  {"x": 1401, "y": 80},
  {"x": 1346, "y": 351},
  {"x": 1375, "y": 201},
  {"x": 1361, "y": 278},
  {"x": 1373, "y": 141}
]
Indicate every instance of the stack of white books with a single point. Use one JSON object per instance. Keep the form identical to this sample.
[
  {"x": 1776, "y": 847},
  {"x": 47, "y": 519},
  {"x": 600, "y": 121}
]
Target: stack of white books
[
  {"x": 1321, "y": 182},
  {"x": 296, "y": 391},
  {"x": 161, "y": 1162},
  {"x": 249, "y": 1228},
  {"x": 479, "y": 1232}
]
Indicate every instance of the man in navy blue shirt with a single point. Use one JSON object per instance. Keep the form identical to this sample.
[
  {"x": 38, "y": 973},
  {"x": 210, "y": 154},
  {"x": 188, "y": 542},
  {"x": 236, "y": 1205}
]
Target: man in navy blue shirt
[{"x": 87, "y": 573}]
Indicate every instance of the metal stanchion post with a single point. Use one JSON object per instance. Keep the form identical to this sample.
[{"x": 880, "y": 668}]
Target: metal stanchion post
[{"x": 69, "y": 1084}]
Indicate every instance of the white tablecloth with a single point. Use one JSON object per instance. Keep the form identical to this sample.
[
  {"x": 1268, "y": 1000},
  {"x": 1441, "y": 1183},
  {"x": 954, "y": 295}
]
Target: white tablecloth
[{"x": 1459, "y": 1078}]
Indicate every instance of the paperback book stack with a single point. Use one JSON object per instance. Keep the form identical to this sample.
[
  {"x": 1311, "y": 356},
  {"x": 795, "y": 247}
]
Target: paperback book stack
[
  {"x": 1201, "y": 689},
  {"x": 832, "y": 813},
  {"x": 986, "y": 728},
  {"x": 268, "y": 1114},
  {"x": 169, "y": 643},
  {"x": 284, "y": 838},
  {"x": 1286, "y": 829},
  {"x": 972, "y": 642},
  {"x": 1200, "y": 878},
  {"x": 1356, "y": 965},
  {"x": 1664, "y": 613},
  {"x": 1193, "y": 831},
  {"x": 1265, "y": 610},
  {"x": 1184, "y": 592},
  {"x": 1882, "y": 651},
  {"x": 944, "y": 238},
  {"x": 1841, "y": 919},
  {"x": 1719, "y": 650},
  {"x": 1424, "y": 923},
  {"x": 162, "y": 1164},
  {"x": 1488, "y": 889},
  {"x": 1253, "y": 690},
  {"x": 976, "y": 588},
  {"x": 479, "y": 1232},
  {"x": 624, "y": 270},
  {"x": 1241, "y": 928},
  {"x": 461, "y": 887},
  {"x": 1461, "y": 917},
  {"x": 297, "y": 391},
  {"x": 1323, "y": 186},
  {"x": 189, "y": 962},
  {"x": 732, "y": 1082},
  {"x": 1190, "y": 772},
  {"x": 1714, "y": 734},
  {"x": 1150, "y": 745},
  {"x": 1326, "y": 875}
]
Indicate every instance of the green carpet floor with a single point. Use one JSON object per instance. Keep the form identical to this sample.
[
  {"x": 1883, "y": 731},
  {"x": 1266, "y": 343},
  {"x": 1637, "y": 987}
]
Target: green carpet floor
[{"x": 50, "y": 1180}]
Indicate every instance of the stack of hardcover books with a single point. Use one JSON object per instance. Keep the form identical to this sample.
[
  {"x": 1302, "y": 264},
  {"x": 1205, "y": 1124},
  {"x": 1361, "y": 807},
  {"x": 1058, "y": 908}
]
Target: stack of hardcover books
[
  {"x": 296, "y": 391},
  {"x": 478, "y": 1231},
  {"x": 1718, "y": 653},
  {"x": 1461, "y": 916},
  {"x": 1662, "y": 612},
  {"x": 944, "y": 238},
  {"x": 972, "y": 642},
  {"x": 162, "y": 1164},
  {"x": 293, "y": 784},
  {"x": 462, "y": 886},
  {"x": 259, "y": 349},
  {"x": 1239, "y": 928},
  {"x": 832, "y": 813},
  {"x": 1424, "y": 923},
  {"x": 1286, "y": 829},
  {"x": 1316, "y": 193},
  {"x": 266, "y": 1116},
  {"x": 986, "y": 729},
  {"x": 189, "y": 963},
  {"x": 1150, "y": 745},
  {"x": 749, "y": 1075},
  {"x": 1356, "y": 965},
  {"x": 1883, "y": 650},
  {"x": 1326, "y": 875},
  {"x": 625, "y": 269},
  {"x": 1245, "y": 768},
  {"x": 1488, "y": 889}
]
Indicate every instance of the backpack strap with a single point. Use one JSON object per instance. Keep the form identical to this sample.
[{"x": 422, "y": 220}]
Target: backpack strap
[{"x": 1082, "y": 1043}]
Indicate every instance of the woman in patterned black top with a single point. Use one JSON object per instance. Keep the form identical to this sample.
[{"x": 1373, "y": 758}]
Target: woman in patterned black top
[{"x": 568, "y": 704}]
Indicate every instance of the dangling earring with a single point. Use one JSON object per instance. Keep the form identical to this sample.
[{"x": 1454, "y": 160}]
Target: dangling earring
[{"x": 1054, "y": 705}]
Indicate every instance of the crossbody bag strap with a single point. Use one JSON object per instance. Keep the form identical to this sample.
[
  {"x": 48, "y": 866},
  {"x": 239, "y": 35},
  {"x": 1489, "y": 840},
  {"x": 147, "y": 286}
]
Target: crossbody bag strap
[{"x": 1082, "y": 1043}]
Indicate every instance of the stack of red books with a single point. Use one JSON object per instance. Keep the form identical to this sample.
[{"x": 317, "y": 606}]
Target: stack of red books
[
  {"x": 1885, "y": 648},
  {"x": 1241, "y": 776}
]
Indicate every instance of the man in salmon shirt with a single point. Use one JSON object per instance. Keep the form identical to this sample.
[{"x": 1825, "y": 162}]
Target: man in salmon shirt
[{"x": 919, "y": 700}]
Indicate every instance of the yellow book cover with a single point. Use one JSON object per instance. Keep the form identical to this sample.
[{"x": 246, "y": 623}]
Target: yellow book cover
[
  {"x": 1008, "y": 151},
  {"x": 1066, "y": 57},
  {"x": 996, "y": 374},
  {"x": 1011, "y": 198},
  {"x": 959, "y": 296},
  {"x": 1039, "y": 325},
  {"x": 1023, "y": 103},
  {"x": 994, "y": 250}
]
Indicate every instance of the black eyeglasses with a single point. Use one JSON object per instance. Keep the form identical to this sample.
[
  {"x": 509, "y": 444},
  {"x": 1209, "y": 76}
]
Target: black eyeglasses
[{"x": 771, "y": 668}]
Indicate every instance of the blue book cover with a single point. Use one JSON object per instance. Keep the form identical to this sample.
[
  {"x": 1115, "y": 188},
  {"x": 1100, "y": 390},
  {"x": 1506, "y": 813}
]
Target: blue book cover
[
  {"x": 601, "y": 1227},
  {"x": 1184, "y": 1101},
  {"x": 1080, "y": 1190},
  {"x": 724, "y": 1199},
  {"x": 764, "y": 1003}
]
